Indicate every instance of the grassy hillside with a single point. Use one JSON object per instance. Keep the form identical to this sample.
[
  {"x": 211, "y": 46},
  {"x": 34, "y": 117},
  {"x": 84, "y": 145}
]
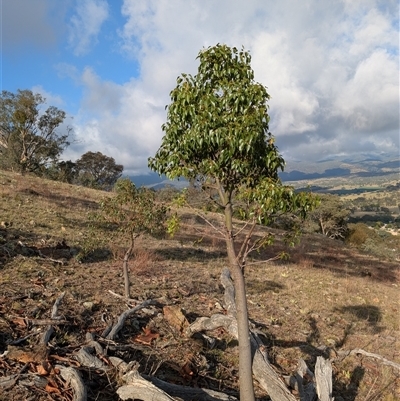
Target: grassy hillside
[{"x": 326, "y": 294}]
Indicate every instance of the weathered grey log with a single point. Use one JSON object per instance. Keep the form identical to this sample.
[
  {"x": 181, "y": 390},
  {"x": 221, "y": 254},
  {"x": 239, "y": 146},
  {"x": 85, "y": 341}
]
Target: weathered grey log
[
  {"x": 229, "y": 293},
  {"x": 323, "y": 378},
  {"x": 267, "y": 378},
  {"x": 370, "y": 355},
  {"x": 121, "y": 320},
  {"x": 73, "y": 378},
  {"x": 54, "y": 316},
  {"x": 213, "y": 322},
  {"x": 306, "y": 392},
  {"x": 136, "y": 387},
  {"x": 142, "y": 390},
  {"x": 85, "y": 358},
  {"x": 90, "y": 342},
  {"x": 57, "y": 303},
  {"x": 190, "y": 393},
  {"x": 173, "y": 390}
]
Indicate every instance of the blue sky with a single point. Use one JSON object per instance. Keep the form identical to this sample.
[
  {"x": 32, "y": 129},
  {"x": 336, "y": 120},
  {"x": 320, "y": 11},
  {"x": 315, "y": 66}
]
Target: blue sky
[{"x": 331, "y": 68}]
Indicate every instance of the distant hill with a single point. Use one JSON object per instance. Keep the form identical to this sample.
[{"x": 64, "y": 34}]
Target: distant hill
[
  {"x": 296, "y": 175},
  {"x": 328, "y": 168},
  {"x": 341, "y": 167},
  {"x": 153, "y": 180}
]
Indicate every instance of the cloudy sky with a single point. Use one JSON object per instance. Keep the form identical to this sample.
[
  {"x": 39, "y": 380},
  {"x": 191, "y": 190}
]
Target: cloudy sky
[{"x": 331, "y": 68}]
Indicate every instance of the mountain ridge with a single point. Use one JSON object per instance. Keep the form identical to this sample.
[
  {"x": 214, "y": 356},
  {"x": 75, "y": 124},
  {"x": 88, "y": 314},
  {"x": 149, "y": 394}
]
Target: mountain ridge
[{"x": 300, "y": 171}]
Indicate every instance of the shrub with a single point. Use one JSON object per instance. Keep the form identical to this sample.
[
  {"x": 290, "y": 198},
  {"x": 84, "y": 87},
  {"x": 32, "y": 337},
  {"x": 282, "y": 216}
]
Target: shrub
[{"x": 359, "y": 233}]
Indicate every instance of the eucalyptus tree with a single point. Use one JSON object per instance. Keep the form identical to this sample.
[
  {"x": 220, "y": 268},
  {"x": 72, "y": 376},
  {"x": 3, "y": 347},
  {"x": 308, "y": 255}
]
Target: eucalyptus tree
[
  {"x": 29, "y": 136},
  {"x": 331, "y": 217},
  {"x": 96, "y": 170},
  {"x": 217, "y": 133}
]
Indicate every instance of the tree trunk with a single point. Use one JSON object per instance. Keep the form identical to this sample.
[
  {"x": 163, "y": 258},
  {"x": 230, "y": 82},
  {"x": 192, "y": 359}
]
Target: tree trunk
[
  {"x": 245, "y": 356},
  {"x": 246, "y": 386},
  {"x": 322, "y": 226},
  {"x": 125, "y": 268}
]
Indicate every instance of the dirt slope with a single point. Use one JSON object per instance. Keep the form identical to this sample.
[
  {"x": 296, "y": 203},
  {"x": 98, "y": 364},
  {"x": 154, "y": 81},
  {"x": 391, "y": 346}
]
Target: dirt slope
[{"x": 326, "y": 294}]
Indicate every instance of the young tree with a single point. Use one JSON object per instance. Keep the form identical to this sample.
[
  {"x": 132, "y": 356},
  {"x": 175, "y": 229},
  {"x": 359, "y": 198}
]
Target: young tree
[
  {"x": 132, "y": 212},
  {"x": 29, "y": 139},
  {"x": 217, "y": 133},
  {"x": 98, "y": 171}
]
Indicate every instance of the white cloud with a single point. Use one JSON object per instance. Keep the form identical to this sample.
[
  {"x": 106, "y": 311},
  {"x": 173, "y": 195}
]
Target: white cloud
[
  {"x": 66, "y": 70},
  {"x": 50, "y": 98},
  {"x": 85, "y": 25},
  {"x": 331, "y": 69},
  {"x": 122, "y": 121},
  {"x": 368, "y": 101},
  {"x": 374, "y": 31}
]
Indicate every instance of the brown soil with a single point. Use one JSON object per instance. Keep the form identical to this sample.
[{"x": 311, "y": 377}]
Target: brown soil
[{"x": 326, "y": 294}]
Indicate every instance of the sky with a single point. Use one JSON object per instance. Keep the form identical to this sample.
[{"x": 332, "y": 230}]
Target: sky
[{"x": 331, "y": 68}]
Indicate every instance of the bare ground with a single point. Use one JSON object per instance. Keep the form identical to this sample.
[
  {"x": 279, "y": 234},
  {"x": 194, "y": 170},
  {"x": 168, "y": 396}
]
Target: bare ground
[{"x": 326, "y": 294}]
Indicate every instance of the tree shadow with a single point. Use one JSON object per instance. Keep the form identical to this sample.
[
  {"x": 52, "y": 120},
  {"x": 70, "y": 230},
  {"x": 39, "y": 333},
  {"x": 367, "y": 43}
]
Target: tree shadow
[
  {"x": 188, "y": 253},
  {"x": 259, "y": 286},
  {"x": 96, "y": 255},
  {"x": 62, "y": 201},
  {"x": 349, "y": 390},
  {"x": 368, "y": 313},
  {"x": 321, "y": 253},
  {"x": 15, "y": 242},
  {"x": 315, "y": 334}
]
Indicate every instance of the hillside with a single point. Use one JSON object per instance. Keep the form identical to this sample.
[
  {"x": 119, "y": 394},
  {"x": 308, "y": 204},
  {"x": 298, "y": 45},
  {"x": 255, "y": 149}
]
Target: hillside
[
  {"x": 326, "y": 299},
  {"x": 356, "y": 172}
]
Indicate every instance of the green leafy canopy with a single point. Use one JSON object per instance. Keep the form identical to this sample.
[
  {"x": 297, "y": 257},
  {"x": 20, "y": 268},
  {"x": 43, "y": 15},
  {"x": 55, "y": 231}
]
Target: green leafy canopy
[
  {"x": 29, "y": 137},
  {"x": 133, "y": 210},
  {"x": 217, "y": 130},
  {"x": 217, "y": 123}
]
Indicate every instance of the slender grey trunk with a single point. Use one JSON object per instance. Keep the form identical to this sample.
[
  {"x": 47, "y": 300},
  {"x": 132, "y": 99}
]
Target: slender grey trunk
[
  {"x": 245, "y": 357},
  {"x": 125, "y": 268}
]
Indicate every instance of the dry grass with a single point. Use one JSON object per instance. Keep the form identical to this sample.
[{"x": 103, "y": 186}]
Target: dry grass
[{"x": 326, "y": 294}]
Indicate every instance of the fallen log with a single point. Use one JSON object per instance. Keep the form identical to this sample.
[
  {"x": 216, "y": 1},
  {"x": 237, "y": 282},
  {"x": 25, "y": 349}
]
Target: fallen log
[
  {"x": 150, "y": 388},
  {"x": 54, "y": 316},
  {"x": 323, "y": 378},
  {"x": 266, "y": 376},
  {"x": 85, "y": 358},
  {"x": 213, "y": 322},
  {"x": 307, "y": 391},
  {"x": 73, "y": 379},
  {"x": 190, "y": 393},
  {"x": 359, "y": 351},
  {"x": 135, "y": 386},
  {"x": 121, "y": 320}
]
